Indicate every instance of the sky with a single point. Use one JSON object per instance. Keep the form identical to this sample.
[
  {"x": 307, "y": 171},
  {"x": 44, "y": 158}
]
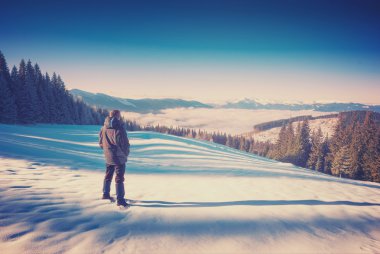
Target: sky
[{"x": 211, "y": 51}]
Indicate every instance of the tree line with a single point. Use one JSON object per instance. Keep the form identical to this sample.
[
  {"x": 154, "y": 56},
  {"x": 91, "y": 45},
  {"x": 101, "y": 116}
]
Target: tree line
[
  {"x": 352, "y": 152},
  {"x": 278, "y": 123},
  {"x": 28, "y": 96}
]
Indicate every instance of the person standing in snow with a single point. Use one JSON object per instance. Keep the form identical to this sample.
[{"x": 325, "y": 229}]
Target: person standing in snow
[{"x": 114, "y": 141}]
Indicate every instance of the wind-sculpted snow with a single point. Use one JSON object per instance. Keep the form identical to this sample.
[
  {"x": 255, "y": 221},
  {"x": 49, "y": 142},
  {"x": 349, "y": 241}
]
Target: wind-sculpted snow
[
  {"x": 189, "y": 196},
  {"x": 77, "y": 147}
]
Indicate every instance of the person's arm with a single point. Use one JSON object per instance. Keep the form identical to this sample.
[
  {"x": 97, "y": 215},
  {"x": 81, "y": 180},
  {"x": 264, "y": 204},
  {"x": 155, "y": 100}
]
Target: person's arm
[
  {"x": 101, "y": 138},
  {"x": 123, "y": 141},
  {"x": 127, "y": 143}
]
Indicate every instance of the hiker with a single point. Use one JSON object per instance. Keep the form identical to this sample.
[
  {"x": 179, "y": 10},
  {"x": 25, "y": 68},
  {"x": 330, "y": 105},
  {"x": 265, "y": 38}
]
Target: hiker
[{"x": 114, "y": 141}]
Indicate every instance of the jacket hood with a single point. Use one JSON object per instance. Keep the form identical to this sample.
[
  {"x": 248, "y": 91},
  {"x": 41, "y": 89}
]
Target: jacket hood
[{"x": 111, "y": 123}]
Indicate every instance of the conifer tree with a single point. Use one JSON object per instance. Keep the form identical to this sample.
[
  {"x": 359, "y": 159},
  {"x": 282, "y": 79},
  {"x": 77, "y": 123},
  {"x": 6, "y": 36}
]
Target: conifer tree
[
  {"x": 8, "y": 109},
  {"x": 30, "y": 84},
  {"x": 302, "y": 145},
  {"x": 289, "y": 141},
  {"x": 316, "y": 143},
  {"x": 51, "y": 100},
  {"x": 321, "y": 164},
  {"x": 356, "y": 150},
  {"x": 371, "y": 155},
  {"x": 42, "y": 115},
  {"x": 230, "y": 141},
  {"x": 341, "y": 162},
  {"x": 25, "y": 107},
  {"x": 281, "y": 145},
  {"x": 16, "y": 89},
  {"x": 63, "y": 102}
]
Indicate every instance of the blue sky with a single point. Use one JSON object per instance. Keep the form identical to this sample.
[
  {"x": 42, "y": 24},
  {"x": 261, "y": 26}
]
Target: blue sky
[{"x": 206, "y": 50}]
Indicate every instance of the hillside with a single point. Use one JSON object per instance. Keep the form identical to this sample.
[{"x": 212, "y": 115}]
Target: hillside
[
  {"x": 189, "y": 196},
  {"x": 268, "y": 131}
]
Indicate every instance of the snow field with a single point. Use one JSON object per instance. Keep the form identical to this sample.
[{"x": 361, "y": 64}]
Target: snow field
[{"x": 189, "y": 196}]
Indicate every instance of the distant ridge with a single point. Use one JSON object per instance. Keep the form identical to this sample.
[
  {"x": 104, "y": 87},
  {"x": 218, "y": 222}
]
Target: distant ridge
[
  {"x": 155, "y": 105},
  {"x": 321, "y": 107},
  {"x": 134, "y": 105}
]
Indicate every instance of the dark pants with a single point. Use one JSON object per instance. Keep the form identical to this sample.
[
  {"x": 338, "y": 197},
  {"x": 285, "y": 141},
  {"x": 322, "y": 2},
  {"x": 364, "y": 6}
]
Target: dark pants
[{"x": 119, "y": 180}]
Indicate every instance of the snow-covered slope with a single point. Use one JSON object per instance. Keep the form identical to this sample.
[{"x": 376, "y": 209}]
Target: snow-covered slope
[{"x": 190, "y": 197}]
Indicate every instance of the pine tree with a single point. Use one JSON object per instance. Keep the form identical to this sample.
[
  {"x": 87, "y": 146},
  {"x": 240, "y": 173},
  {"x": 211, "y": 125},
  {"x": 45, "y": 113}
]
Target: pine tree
[
  {"x": 316, "y": 142},
  {"x": 58, "y": 96},
  {"x": 230, "y": 141},
  {"x": 338, "y": 140},
  {"x": 356, "y": 150},
  {"x": 302, "y": 145},
  {"x": 30, "y": 85},
  {"x": 25, "y": 107},
  {"x": 8, "y": 109},
  {"x": 295, "y": 148},
  {"x": 341, "y": 162},
  {"x": 42, "y": 91},
  {"x": 63, "y": 102},
  {"x": 252, "y": 147},
  {"x": 51, "y": 100},
  {"x": 16, "y": 89},
  {"x": 321, "y": 164},
  {"x": 289, "y": 140},
  {"x": 280, "y": 150},
  {"x": 244, "y": 144},
  {"x": 371, "y": 154}
]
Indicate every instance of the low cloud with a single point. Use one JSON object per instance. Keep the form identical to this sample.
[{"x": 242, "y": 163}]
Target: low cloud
[{"x": 233, "y": 121}]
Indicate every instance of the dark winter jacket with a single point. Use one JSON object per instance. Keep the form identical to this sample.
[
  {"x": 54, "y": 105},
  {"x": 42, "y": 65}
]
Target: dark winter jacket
[{"x": 114, "y": 141}]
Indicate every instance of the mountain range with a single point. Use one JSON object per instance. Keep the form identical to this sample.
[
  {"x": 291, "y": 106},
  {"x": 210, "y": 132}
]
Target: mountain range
[
  {"x": 148, "y": 105},
  {"x": 134, "y": 105},
  {"x": 322, "y": 107}
]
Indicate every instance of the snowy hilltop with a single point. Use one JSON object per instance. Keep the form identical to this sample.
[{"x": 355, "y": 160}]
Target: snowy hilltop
[{"x": 189, "y": 196}]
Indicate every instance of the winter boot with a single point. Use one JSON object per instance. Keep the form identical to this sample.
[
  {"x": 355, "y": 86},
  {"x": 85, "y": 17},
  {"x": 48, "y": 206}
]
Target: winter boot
[
  {"x": 106, "y": 196},
  {"x": 106, "y": 189},
  {"x": 122, "y": 202},
  {"x": 120, "y": 192}
]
